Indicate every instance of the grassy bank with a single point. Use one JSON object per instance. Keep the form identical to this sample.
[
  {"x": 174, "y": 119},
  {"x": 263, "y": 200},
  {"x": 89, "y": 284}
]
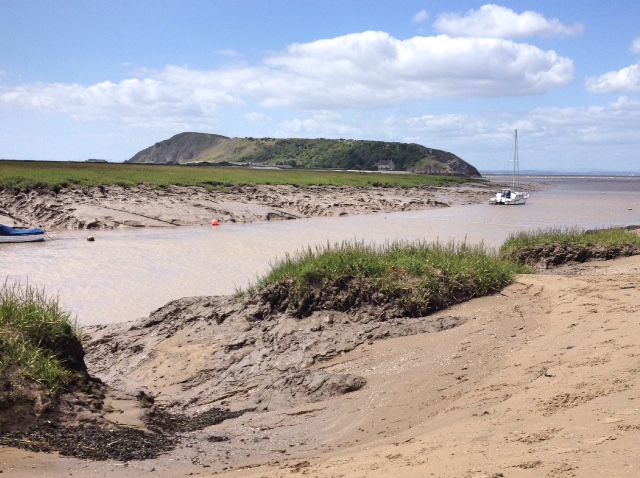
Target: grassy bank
[
  {"x": 26, "y": 175},
  {"x": 38, "y": 342},
  {"x": 555, "y": 246},
  {"x": 414, "y": 279}
]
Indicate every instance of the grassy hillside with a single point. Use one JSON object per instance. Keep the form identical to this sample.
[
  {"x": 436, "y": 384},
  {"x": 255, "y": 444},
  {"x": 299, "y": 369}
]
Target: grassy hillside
[{"x": 303, "y": 153}]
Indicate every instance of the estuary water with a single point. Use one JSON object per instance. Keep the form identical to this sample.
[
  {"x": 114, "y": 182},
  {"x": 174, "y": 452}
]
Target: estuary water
[{"x": 126, "y": 274}]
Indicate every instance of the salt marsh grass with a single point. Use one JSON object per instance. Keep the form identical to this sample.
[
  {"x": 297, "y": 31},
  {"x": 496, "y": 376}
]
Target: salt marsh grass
[
  {"x": 27, "y": 175},
  {"x": 551, "y": 247},
  {"x": 34, "y": 335},
  {"x": 417, "y": 277},
  {"x": 573, "y": 237}
]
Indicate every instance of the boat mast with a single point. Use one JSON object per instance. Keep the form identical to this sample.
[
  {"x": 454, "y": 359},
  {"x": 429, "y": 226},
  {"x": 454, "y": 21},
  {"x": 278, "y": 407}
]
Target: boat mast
[{"x": 515, "y": 162}]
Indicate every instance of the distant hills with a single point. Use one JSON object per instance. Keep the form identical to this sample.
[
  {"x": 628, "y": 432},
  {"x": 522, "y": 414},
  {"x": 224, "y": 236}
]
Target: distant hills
[{"x": 203, "y": 148}]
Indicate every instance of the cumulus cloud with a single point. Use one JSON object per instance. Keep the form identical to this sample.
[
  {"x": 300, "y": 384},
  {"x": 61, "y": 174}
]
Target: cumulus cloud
[
  {"x": 626, "y": 80},
  {"x": 495, "y": 21},
  {"x": 362, "y": 71},
  {"x": 420, "y": 17},
  {"x": 373, "y": 69},
  {"x": 635, "y": 46},
  {"x": 175, "y": 91}
]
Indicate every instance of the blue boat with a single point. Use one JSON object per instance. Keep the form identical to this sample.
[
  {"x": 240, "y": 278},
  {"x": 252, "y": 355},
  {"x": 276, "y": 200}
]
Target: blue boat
[{"x": 9, "y": 234}]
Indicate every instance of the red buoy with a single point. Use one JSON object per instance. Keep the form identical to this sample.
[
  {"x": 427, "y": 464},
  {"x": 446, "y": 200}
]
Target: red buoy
[{"x": 214, "y": 222}]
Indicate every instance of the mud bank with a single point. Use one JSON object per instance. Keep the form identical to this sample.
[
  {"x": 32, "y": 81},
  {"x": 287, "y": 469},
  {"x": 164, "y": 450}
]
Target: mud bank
[
  {"x": 237, "y": 354},
  {"x": 111, "y": 207}
]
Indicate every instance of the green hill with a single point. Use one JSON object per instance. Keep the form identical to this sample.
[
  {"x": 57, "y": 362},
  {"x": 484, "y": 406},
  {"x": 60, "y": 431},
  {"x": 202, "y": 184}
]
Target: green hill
[{"x": 304, "y": 153}]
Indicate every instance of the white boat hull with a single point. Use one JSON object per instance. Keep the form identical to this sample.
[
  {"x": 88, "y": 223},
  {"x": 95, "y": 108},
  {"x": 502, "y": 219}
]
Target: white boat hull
[
  {"x": 509, "y": 197},
  {"x": 9, "y": 234},
  {"x": 22, "y": 238}
]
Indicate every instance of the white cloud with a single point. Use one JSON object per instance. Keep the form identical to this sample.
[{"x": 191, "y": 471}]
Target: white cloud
[
  {"x": 318, "y": 128},
  {"x": 550, "y": 136},
  {"x": 362, "y": 71},
  {"x": 612, "y": 124},
  {"x": 495, "y": 21},
  {"x": 373, "y": 69},
  {"x": 635, "y": 46},
  {"x": 420, "y": 17},
  {"x": 173, "y": 91},
  {"x": 626, "y": 80}
]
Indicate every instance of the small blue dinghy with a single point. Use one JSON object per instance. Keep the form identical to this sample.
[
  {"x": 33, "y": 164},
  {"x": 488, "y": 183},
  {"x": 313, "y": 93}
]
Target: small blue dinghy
[{"x": 9, "y": 234}]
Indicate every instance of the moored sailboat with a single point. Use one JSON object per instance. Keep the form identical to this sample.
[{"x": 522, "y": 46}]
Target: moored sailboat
[{"x": 510, "y": 196}]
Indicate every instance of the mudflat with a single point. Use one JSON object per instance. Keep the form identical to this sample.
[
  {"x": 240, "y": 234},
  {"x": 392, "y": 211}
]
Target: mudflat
[
  {"x": 109, "y": 207},
  {"x": 540, "y": 379}
]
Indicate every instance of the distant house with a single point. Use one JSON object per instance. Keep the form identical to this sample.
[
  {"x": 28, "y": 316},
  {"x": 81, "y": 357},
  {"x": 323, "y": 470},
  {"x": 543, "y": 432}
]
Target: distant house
[
  {"x": 92, "y": 160},
  {"x": 386, "y": 165}
]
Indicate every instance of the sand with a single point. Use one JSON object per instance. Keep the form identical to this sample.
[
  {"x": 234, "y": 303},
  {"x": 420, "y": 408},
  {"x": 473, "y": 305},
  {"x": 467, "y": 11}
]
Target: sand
[{"x": 540, "y": 380}]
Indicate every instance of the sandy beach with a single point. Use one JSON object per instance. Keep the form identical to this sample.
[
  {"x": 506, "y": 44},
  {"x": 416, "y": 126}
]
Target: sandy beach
[{"x": 538, "y": 380}]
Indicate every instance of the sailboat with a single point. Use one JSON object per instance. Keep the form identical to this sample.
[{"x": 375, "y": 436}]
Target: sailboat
[{"x": 511, "y": 196}]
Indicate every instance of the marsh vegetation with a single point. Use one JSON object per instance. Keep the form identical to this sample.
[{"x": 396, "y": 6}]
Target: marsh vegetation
[
  {"x": 415, "y": 278},
  {"x": 38, "y": 340},
  {"x": 556, "y": 246},
  {"x": 28, "y": 175}
]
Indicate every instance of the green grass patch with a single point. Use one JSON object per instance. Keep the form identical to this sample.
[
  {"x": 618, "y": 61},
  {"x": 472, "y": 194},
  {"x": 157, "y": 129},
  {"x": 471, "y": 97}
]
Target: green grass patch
[
  {"x": 38, "y": 341},
  {"x": 27, "y": 175},
  {"x": 416, "y": 278},
  {"x": 560, "y": 245}
]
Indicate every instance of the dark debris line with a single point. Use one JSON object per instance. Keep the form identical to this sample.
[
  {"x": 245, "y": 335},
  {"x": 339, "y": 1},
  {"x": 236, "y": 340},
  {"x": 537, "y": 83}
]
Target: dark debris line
[
  {"x": 117, "y": 443},
  {"x": 90, "y": 442},
  {"x": 161, "y": 420}
]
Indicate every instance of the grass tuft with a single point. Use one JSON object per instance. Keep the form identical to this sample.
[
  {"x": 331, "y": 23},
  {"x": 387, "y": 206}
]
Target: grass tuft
[
  {"x": 555, "y": 246},
  {"x": 416, "y": 278},
  {"x": 36, "y": 337}
]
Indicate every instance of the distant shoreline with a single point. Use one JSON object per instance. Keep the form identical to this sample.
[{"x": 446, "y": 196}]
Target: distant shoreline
[{"x": 535, "y": 174}]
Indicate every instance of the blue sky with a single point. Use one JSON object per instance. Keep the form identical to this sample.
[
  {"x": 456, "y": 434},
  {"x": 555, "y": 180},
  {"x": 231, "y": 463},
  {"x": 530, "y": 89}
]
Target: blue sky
[{"x": 105, "y": 79}]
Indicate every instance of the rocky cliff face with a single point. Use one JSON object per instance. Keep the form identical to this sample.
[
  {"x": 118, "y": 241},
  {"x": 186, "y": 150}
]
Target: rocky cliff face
[{"x": 304, "y": 153}]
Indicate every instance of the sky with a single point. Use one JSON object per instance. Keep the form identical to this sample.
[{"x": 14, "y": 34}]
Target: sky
[{"x": 105, "y": 79}]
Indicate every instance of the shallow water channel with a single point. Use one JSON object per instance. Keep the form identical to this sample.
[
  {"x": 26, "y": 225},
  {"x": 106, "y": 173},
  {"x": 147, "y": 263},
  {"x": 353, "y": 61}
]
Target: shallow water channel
[{"x": 125, "y": 274}]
